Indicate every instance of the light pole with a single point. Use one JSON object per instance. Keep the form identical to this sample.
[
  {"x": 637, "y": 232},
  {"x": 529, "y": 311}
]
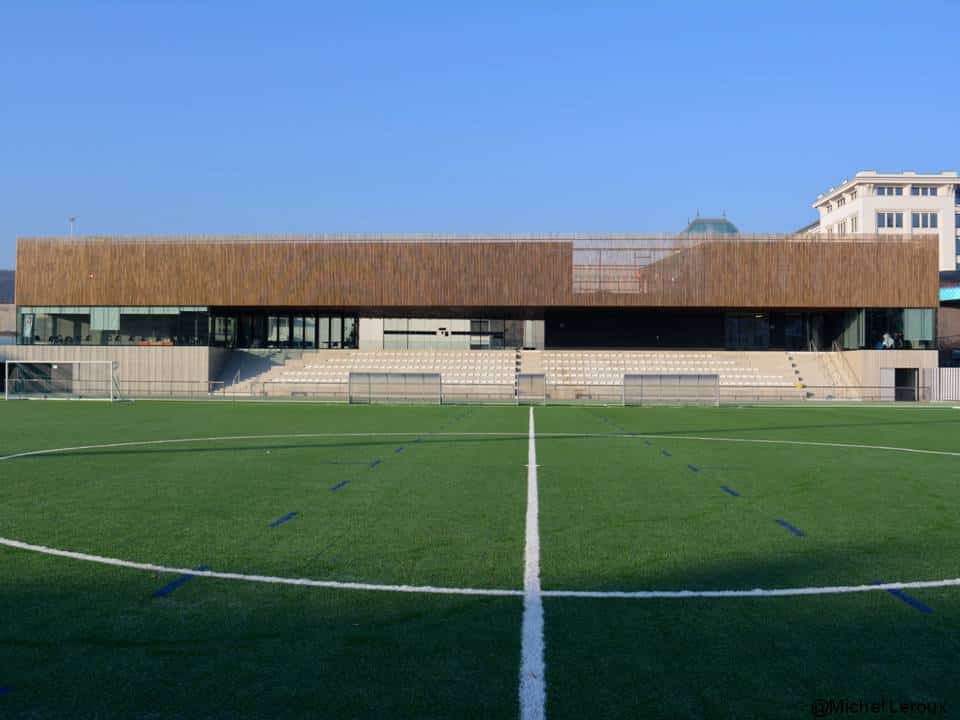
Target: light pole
[{"x": 71, "y": 220}]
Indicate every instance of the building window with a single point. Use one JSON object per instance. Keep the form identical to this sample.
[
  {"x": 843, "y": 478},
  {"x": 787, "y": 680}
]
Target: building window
[
  {"x": 841, "y": 201},
  {"x": 853, "y": 224},
  {"x": 923, "y": 220},
  {"x": 145, "y": 326},
  {"x": 853, "y": 194},
  {"x": 889, "y": 220},
  {"x": 889, "y": 190},
  {"x": 923, "y": 190}
]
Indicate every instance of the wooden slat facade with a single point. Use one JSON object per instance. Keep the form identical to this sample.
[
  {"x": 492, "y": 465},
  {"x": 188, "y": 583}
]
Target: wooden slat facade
[{"x": 738, "y": 271}]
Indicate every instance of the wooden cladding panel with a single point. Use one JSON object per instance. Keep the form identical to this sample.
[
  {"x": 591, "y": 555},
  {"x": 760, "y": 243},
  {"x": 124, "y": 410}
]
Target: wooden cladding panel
[
  {"x": 292, "y": 274},
  {"x": 749, "y": 273},
  {"x": 731, "y": 273}
]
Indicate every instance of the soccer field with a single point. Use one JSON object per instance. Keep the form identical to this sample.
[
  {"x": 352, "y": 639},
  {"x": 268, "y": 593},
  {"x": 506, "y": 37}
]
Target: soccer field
[{"x": 366, "y": 561}]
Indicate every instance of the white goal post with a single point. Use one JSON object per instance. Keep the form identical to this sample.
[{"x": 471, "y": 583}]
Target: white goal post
[
  {"x": 61, "y": 379},
  {"x": 671, "y": 390}
]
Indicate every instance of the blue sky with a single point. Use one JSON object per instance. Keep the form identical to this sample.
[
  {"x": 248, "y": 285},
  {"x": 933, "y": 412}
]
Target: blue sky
[{"x": 228, "y": 117}]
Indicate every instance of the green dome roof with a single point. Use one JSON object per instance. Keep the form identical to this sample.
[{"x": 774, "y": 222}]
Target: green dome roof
[{"x": 711, "y": 226}]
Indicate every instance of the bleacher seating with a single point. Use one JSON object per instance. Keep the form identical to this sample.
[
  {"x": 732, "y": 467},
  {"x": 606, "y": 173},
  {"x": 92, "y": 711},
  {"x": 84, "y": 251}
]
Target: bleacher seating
[
  {"x": 467, "y": 372},
  {"x": 456, "y": 367},
  {"x": 607, "y": 367}
]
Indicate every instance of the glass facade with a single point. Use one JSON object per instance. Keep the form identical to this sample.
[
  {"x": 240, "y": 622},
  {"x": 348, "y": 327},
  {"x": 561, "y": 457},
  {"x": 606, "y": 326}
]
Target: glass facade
[
  {"x": 169, "y": 326},
  {"x": 112, "y": 325},
  {"x": 449, "y": 333},
  {"x": 908, "y": 329},
  {"x": 272, "y": 328}
]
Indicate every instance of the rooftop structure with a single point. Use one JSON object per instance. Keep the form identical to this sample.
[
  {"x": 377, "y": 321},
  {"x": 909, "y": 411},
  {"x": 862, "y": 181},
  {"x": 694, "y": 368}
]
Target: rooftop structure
[{"x": 710, "y": 226}]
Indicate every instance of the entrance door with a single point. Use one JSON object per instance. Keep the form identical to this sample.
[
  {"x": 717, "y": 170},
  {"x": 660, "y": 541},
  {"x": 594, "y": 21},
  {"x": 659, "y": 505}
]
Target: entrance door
[{"x": 905, "y": 382}]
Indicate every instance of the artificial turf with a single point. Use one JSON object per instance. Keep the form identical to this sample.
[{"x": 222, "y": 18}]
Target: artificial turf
[{"x": 422, "y": 495}]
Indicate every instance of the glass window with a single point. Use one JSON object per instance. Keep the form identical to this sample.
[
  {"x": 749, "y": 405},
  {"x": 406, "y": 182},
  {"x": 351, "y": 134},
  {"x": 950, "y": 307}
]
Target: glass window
[
  {"x": 310, "y": 332},
  {"x": 324, "y": 340},
  {"x": 273, "y": 330},
  {"x": 917, "y": 327},
  {"x": 881, "y": 220},
  {"x": 933, "y": 220},
  {"x": 915, "y": 220},
  {"x": 336, "y": 329},
  {"x": 350, "y": 332},
  {"x": 297, "y": 331}
]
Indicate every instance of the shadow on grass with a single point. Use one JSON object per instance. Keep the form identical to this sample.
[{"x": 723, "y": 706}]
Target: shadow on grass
[
  {"x": 749, "y": 657},
  {"x": 85, "y": 641}
]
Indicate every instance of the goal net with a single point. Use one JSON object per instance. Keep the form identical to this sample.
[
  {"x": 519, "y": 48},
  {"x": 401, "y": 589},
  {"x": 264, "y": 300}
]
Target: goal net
[
  {"x": 399, "y": 387},
  {"x": 671, "y": 390},
  {"x": 66, "y": 379}
]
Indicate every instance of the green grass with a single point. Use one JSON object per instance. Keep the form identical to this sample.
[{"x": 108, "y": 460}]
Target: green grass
[{"x": 617, "y": 512}]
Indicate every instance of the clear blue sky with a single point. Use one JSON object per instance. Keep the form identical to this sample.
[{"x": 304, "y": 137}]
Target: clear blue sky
[{"x": 228, "y": 117}]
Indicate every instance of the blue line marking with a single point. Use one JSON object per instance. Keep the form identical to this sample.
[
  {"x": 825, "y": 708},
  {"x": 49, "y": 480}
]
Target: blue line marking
[
  {"x": 375, "y": 463},
  {"x": 694, "y": 468},
  {"x": 908, "y": 599},
  {"x": 289, "y": 516},
  {"x": 666, "y": 453},
  {"x": 167, "y": 589},
  {"x": 795, "y": 530},
  {"x": 729, "y": 491},
  {"x": 339, "y": 485}
]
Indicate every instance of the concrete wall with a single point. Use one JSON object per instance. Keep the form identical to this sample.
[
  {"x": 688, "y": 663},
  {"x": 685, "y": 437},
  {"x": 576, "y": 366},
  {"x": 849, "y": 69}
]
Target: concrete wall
[
  {"x": 867, "y": 364},
  {"x": 370, "y": 334},
  {"x": 8, "y": 320},
  {"x": 140, "y": 369}
]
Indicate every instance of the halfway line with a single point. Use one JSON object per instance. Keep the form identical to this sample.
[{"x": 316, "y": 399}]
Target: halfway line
[{"x": 533, "y": 690}]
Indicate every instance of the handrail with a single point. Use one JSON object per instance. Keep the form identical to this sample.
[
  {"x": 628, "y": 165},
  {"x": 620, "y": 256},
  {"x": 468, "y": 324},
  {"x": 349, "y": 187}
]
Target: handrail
[{"x": 847, "y": 367}]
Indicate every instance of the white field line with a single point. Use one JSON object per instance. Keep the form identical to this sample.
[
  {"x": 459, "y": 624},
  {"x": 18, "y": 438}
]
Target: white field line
[
  {"x": 626, "y": 436},
  {"x": 532, "y": 681},
  {"x": 269, "y": 579},
  {"x": 756, "y": 592},
  {"x": 489, "y": 592}
]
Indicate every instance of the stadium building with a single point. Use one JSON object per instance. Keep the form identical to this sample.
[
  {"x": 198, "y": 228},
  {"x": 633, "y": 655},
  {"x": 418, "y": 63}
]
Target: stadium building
[{"x": 792, "y": 315}]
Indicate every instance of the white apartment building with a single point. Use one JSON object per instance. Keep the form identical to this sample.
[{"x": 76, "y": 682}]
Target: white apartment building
[{"x": 896, "y": 203}]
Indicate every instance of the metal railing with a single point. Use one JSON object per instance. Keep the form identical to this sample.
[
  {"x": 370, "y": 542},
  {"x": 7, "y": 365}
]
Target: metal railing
[
  {"x": 458, "y": 394},
  {"x": 173, "y": 389}
]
